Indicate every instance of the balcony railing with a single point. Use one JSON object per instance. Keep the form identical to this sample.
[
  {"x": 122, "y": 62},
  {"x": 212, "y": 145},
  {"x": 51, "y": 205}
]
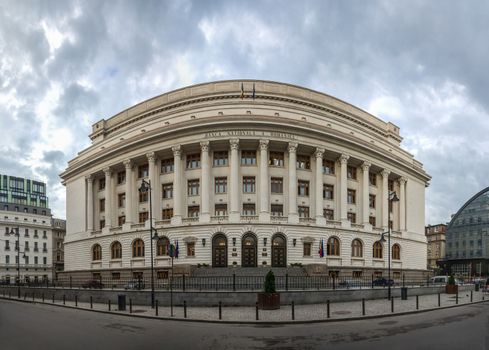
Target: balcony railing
[
  {"x": 307, "y": 220},
  {"x": 249, "y": 217},
  {"x": 191, "y": 219},
  {"x": 219, "y": 218}
]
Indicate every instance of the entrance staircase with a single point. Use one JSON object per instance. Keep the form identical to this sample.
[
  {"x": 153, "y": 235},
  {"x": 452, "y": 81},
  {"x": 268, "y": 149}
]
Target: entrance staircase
[{"x": 247, "y": 271}]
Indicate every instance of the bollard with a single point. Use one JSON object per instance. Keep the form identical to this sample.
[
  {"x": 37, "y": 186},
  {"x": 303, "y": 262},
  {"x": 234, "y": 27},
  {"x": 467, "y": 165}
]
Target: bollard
[
  {"x": 91, "y": 302},
  {"x": 53, "y": 298},
  {"x": 417, "y": 302},
  {"x": 64, "y": 299},
  {"x": 456, "y": 298},
  {"x": 109, "y": 304},
  {"x": 130, "y": 306},
  {"x": 256, "y": 309},
  {"x": 156, "y": 307},
  {"x": 293, "y": 311},
  {"x": 363, "y": 307},
  {"x": 471, "y": 296},
  {"x": 220, "y": 310},
  {"x": 439, "y": 300},
  {"x": 392, "y": 305},
  {"x": 76, "y": 300},
  {"x": 184, "y": 309},
  {"x": 327, "y": 308}
]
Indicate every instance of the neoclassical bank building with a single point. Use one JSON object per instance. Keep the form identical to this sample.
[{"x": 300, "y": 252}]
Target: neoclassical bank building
[{"x": 244, "y": 174}]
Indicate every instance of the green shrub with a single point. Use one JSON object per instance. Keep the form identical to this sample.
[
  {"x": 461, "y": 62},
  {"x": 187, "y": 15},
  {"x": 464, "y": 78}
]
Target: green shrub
[
  {"x": 451, "y": 280},
  {"x": 270, "y": 282}
]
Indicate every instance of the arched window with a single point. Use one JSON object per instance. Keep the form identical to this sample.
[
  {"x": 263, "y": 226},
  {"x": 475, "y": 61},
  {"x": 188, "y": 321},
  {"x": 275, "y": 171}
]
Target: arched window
[
  {"x": 377, "y": 250},
  {"x": 333, "y": 246},
  {"x": 138, "y": 248},
  {"x": 356, "y": 248},
  {"x": 96, "y": 252},
  {"x": 116, "y": 250},
  {"x": 396, "y": 252},
  {"x": 162, "y": 246}
]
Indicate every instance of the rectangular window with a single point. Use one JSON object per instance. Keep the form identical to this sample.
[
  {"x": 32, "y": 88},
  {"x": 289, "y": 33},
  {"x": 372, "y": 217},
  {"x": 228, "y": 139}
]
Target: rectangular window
[
  {"x": 143, "y": 216},
  {"x": 307, "y": 248},
  {"x": 26, "y": 232},
  {"x": 220, "y": 158},
  {"x": 102, "y": 205},
  {"x": 102, "y": 225},
  {"x": 248, "y": 184},
  {"x": 193, "y": 161},
  {"x": 166, "y": 214},
  {"x": 26, "y": 245},
  {"x": 143, "y": 197},
  {"x": 220, "y": 184},
  {"x": 371, "y": 220},
  {"x": 351, "y": 196},
  {"x": 7, "y": 245},
  {"x": 372, "y": 179},
  {"x": 277, "y": 210},
  {"x": 328, "y": 191},
  {"x": 121, "y": 220},
  {"x": 101, "y": 183},
  {"x": 248, "y": 157},
  {"x": 193, "y": 187},
  {"x": 35, "y": 234},
  {"x": 193, "y": 211},
  {"x": 143, "y": 171},
  {"x": 190, "y": 248},
  {"x": 249, "y": 209},
  {"x": 328, "y": 214},
  {"x": 121, "y": 200},
  {"x": 351, "y": 172},
  {"x": 221, "y": 210},
  {"x": 44, "y": 247},
  {"x": 167, "y": 166},
  {"x": 44, "y": 260},
  {"x": 26, "y": 260},
  {"x": 121, "y": 177},
  {"x": 352, "y": 217},
  {"x": 303, "y": 188},
  {"x": 303, "y": 162},
  {"x": 44, "y": 234},
  {"x": 7, "y": 259},
  {"x": 303, "y": 212},
  {"x": 277, "y": 185},
  {"x": 390, "y": 185},
  {"x": 167, "y": 191},
  {"x": 116, "y": 275},
  {"x": 371, "y": 201},
  {"x": 276, "y": 159}
]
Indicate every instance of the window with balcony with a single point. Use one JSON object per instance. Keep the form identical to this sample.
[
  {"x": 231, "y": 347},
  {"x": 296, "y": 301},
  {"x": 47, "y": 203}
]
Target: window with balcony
[
  {"x": 276, "y": 159},
  {"x": 143, "y": 196},
  {"x": 221, "y": 210},
  {"x": 303, "y": 162},
  {"x": 351, "y": 172},
  {"x": 7, "y": 259},
  {"x": 167, "y": 191},
  {"x": 372, "y": 179},
  {"x": 167, "y": 166},
  {"x": 277, "y": 210},
  {"x": 121, "y": 220},
  {"x": 248, "y": 157},
  {"x": 101, "y": 224},
  {"x": 26, "y": 232},
  {"x": 220, "y": 158},
  {"x": 249, "y": 209},
  {"x": 166, "y": 214},
  {"x": 328, "y": 167},
  {"x": 35, "y": 234},
  {"x": 121, "y": 200},
  {"x": 102, "y": 205},
  {"x": 351, "y": 196},
  {"x": 121, "y": 177},
  {"x": 277, "y": 185},
  {"x": 7, "y": 245},
  {"x": 193, "y": 187},
  {"x": 143, "y": 171},
  {"x": 328, "y": 214},
  {"x": 390, "y": 185},
  {"x": 220, "y": 185},
  {"x": 303, "y": 188},
  {"x": 371, "y": 201},
  {"x": 372, "y": 221},
  {"x": 44, "y": 234},
  {"x": 193, "y": 161},
  {"x": 352, "y": 217},
  {"x": 249, "y": 184},
  {"x": 328, "y": 192},
  {"x": 303, "y": 211},
  {"x": 143, "y": 216},
  {"x": 36, "y": 260},
  {"x": 193, "y": 211},
  {"x": 101, "y": 183}
]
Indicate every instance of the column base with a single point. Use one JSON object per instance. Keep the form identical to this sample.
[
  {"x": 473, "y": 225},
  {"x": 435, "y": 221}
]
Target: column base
[
  {"x": 234, "y": 217},
  {"x": 264, "y": 217},
  {"x": 176, "y": 220},
  {"x": 345, "y": 223},
  {"x": 205, "y": 217},
  {"x": 320, "y": 220},
  {"x": 367, "y": 227},
  {"x": 293, "y": 218}
]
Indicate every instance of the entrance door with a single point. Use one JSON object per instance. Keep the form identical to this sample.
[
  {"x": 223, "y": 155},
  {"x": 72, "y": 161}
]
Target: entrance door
[
  {"x": 279, "y": 253},
  {"x": 249, "y": 251},
  {"x": 219, "y": 251}
]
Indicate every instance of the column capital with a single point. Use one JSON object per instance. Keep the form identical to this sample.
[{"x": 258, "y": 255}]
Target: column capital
[
  {"x": 366, "y": 166},
  {"x": 319, "y": 152},
  {"x": 385, "y": 173},
  {"x": 234, "y": 144},
  {"x": 204, "y": 146},
  {"x": 402, "y": 180},
  {"x": 127, "y": 164},
  {"x": 264, "y": 144},
  {"x": 343, "y": 159},
  {"x": 177, "y": 150},
  {"x": 151, "y": 157},
  {"x": 89, "y": 178},
  {"x": 292, "y": 147},
  {"x": 107, "y": 171}
]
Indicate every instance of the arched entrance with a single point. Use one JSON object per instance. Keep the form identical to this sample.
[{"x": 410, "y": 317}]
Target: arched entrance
[
  {"x": 248, "y": 250},
  {"x": 219, "y": 251},
  {"x": 279, "y": 251}
]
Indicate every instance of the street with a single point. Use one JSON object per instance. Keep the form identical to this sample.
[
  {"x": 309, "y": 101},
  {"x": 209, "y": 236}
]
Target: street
[{"x": 35, "y": 326}]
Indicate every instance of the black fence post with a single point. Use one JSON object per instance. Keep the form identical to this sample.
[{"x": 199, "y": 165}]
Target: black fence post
[
  {"x": 220, "y": 310},
  {"x": 417, "y": 302},
  {"x": 76, "y": 300},
  {"x": 439, "y": 300},
  {"x": 64, "y": 299},
  {"x": 130, "y": 306},
  {"x": 42, "y": 296},
  {"x": 184, "y": 309},
  {"x": 471, "y": 295},
  {"x": 156, "y": 307},
  {"x": 327, "y": 308},
  {"x": 183, "y": 282},
  {"x": 256, "y": 310},
  {"x": 109, "y": 304},
  {"x": 71, "y": 285},
  {"x": 91, "y": 302},
  {"x": 363, "y": 307},
  {"x": 392, "y": 305},
  {"x": 372, "y": 282},
  {"x": 293, "y": 311},
  {"x": 287, "y": 281},
  {"x": 234, "y": 282},
  {"x": 456, "y": 298},
  {"x": 334, "y": 282}
]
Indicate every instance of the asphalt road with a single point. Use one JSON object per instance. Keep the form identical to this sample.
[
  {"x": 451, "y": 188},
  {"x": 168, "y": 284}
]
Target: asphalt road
[{"x": 35, "y": 326}]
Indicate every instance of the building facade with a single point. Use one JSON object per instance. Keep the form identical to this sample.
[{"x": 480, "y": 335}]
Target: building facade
[
  {"x": 59, "y": 233},
  {"x": 467, "y": 238},
  {"x": 25, "y": 229},
  {"x": 252, "y": 173},
  {"x": 435, "y": 235}
]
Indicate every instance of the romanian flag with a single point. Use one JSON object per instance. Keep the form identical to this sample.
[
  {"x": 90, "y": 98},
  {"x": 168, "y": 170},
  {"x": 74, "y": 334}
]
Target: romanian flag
[
  {"x": 321, "y": 249},
  {"x": 242, "y": 91}
]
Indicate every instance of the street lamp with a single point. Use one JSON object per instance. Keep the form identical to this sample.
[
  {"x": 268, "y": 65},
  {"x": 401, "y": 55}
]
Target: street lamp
[
  {"x": 16, "y": 233},
  {"x": 146, "y": 187},
  {"x": 392, "y": 198}
]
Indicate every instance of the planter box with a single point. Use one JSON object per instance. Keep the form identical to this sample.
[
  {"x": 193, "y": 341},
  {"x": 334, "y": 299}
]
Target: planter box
[
  {"x": 451, "y": 289},
  {"x": 269, "y": 301}
]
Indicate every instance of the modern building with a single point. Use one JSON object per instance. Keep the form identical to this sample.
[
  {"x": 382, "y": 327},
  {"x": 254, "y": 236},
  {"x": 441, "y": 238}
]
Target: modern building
[
  {"x": 245, "y": 173},
  {"x": 59, "y": 233},
  {"x": 25, "y": 230},
  {"x": 435, "y": 235},
  {"x": 467, "y": 238}
]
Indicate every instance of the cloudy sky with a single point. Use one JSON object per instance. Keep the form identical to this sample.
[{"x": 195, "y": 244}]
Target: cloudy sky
[{"x": 422, "y": 65}]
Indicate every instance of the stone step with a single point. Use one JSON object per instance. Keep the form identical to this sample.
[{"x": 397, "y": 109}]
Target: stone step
[{"x": 247, "y": 271}]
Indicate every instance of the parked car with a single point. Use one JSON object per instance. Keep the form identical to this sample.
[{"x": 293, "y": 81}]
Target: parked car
[
  {"x": 134, "y": 284},
  {"x": 381, "y": 281},
  {"x": 93, "y": 283},
  {"x": 443, "y": 280},
  {"x": 351, "y": 283}
]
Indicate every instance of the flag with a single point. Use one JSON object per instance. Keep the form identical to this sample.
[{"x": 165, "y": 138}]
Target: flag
[
  {"x": 253, "y": 91},
  {"x": 176, "y": 251},
  {"x": 168, "y": 247},
  {"x": 321, "y": 249},
  {"x": 242, "y": 91}
]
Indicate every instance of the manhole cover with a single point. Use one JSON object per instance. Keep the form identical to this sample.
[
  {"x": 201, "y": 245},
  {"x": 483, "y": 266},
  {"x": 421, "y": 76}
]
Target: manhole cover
[{"x": 342, "y": 312}]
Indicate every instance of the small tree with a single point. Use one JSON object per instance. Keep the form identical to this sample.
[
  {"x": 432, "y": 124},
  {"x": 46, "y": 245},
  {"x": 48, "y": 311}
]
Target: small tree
[
  {"x": 270, "y": 282},
  {"x": 451, "y": 280}
]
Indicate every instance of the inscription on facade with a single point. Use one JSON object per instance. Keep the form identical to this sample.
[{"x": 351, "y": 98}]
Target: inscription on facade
[{"x": 252, "y": 133}]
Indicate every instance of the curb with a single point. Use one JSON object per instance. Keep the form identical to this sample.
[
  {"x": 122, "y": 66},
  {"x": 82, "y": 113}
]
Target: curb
[{"x": 327, "y": 320}]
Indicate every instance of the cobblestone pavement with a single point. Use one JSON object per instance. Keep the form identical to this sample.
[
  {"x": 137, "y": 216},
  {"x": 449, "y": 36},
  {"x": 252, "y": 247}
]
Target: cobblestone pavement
[{"x": 309, "y": 312}]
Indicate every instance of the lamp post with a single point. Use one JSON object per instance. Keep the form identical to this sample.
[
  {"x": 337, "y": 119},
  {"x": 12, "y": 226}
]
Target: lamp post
[
  {"x": 16, "y": 233},
  {"x": 392, "y": 198},
  {"x": 146, "y": 187}
]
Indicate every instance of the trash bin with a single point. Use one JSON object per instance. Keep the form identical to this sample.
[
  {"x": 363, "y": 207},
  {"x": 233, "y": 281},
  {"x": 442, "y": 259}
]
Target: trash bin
[
  {"x": 477, "y": 286},
  {"x": 121, "y": 302},
  {"x": 403, "y": 293}
]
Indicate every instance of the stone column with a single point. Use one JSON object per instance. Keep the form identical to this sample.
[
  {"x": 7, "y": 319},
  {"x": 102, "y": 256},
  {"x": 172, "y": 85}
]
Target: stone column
[
  {"x": 108, "y": 198},
  {"x": 177, "y": 186},
  {"x": 205, "y": 215},
  {"x": 155, "y": 199},
  {"x": 129, "y": 211},
  {"x": 366, "y": 200},
  {"x": 320, "y": 220},
  {"x": 89, "y": 179},
  {"x": 385, "y": 199},
  {"x": 234, "y": 213},
  {"x": 343, "y": 189},
  {"x": 402, "y": 204},
  {"x": 264, "y": 193},
  {"x": 293, "y": 217}
]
